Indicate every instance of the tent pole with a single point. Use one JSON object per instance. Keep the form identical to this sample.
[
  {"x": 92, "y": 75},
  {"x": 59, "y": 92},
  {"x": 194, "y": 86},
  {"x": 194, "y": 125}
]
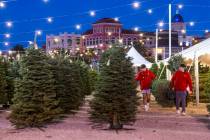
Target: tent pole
[{"x": 197, "y": 80}]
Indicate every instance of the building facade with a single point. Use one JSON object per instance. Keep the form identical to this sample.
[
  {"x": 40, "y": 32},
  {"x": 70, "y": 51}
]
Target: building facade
[
  {"x": 106, "y": 32},
  {"x": 67, "y": 41}
]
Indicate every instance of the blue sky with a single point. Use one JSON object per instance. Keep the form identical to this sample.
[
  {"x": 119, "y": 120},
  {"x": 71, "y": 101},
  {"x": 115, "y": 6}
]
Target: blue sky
[{"x": 76, "y": 11}]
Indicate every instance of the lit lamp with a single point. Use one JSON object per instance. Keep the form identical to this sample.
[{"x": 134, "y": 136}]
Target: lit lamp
[{"x": 159, "y": 51}]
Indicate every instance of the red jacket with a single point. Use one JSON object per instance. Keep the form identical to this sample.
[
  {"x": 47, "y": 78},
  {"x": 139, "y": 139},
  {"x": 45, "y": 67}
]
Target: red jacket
[
  {"x": 181, "y": 81},
  {"x": 145, "y": 78}
]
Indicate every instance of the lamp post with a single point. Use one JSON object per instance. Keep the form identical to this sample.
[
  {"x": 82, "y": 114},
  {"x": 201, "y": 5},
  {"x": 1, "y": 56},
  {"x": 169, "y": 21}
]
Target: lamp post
[{"x": 37, "y": 33}]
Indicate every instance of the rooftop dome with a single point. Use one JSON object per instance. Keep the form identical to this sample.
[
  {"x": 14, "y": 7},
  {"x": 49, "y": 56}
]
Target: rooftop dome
[
  {"x": 177, "y": 18},
  {"x": 107, "y": 20}
]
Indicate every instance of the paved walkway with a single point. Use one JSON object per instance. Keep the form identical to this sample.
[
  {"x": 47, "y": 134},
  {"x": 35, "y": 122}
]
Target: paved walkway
[{"x": 158, "y": 124}]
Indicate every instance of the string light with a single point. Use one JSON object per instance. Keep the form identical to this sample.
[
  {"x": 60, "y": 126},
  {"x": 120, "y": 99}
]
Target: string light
[
  {"x": 161, "y": 23},
  {"x": 7, "y": 35},
  {"x": 9, "y": 24},
  {"x": 180, "y": 6},
  {"x": 45, "y": 1},
  {"x": 116, "y": 19},
  {"x": 136, "y": 29},
  {"x": 49, "y": 19},
  {"x": 136, "y": 5},
  {"x": 192, "y": 23},
  {"x": 30, "y": 42},
  {"x": 38, "y": 32},
  {"x": 78, "y": 27},
  {"x": 183, "y": 31},
  {"x": 6, "y": 43},
  {"x": 150, "y": 11},
  {"x": 2, "y": 4},
  {"x": 92, "y": 13}
]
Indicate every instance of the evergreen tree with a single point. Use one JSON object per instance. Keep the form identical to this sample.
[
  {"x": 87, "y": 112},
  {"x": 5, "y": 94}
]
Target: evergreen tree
[
  {"x": 67, "y": 83},
  {"x": 161, "y": 71},
  {"x": 207, "y": 87},
  {"x": 35, "y": 101},
  {"x": 175, "y": 62},
  {"x": 3, "y": 82},
  {"x": 115, "y": 101},
  {"x": 154, "y": 68},
  {"x": 143, "y": 51}
]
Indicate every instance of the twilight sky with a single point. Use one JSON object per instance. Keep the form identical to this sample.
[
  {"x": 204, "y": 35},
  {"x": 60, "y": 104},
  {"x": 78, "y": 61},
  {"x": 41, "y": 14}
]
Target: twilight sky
[{"x": 30, "y": 15}]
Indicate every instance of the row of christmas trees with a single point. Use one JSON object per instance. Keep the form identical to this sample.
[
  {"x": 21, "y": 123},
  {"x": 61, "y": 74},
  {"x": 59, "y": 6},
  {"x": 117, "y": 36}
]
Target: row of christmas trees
[{"x": 46, "y": 88}]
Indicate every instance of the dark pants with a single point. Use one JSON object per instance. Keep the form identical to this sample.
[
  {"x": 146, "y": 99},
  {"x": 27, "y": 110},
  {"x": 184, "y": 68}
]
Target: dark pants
[{"x": 181, "y": 98}]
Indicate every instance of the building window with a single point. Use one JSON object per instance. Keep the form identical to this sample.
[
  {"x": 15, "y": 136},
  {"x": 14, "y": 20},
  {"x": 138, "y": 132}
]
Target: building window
[
  {"x": 129, "y": 41},
  {"x": 48, "y": 43},
  {"x": 78, "y": 41},
  {"x": 69, "y": 41}
]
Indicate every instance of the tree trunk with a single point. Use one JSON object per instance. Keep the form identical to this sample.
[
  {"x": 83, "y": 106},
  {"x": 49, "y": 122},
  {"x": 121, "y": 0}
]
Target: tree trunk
[{"x": 115, "y": 124}]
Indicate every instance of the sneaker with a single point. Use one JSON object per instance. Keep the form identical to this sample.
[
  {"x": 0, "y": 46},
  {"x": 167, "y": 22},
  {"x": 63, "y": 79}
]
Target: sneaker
[
  {"x": 146, "y": 108},
  {"x": 178, "y": 112},
  {"x": 183, "y": 114}
]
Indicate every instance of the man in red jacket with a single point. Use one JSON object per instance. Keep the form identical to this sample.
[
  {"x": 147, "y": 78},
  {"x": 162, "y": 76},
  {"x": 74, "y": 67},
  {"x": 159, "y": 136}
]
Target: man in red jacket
[
  {"x": 145, "y": 78},
  {"x": 181, "y": 80}
]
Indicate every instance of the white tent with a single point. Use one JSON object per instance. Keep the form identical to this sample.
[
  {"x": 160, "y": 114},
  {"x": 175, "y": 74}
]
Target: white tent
[
  {"x": 194, "y": 53},
  {"x": 199, "y": 49},
  {"x": 138, "y": 60}
]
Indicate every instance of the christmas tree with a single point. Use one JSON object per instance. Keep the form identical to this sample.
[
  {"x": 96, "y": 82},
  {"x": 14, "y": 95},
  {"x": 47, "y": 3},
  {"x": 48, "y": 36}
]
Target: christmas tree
[
  {"x": 207, "y": 87},
  {"x": 161, "y": 71},
  {"x": 115, "y": 101},
  {"x": 154, "y": 68},
  {"x": 3, "y": 82},
  {"x": 67, "y": 83},
  {"x": 35, "y": 101}
]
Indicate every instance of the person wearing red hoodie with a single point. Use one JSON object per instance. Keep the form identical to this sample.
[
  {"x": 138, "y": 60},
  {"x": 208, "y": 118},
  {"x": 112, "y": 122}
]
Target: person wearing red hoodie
[
  {"x": 180, "y": 82},
  {"x": 145, "y": 78}
]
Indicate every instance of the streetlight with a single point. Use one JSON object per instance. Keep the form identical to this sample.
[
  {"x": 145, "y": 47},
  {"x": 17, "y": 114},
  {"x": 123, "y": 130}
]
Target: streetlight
[{"x": 37, "y": 33}]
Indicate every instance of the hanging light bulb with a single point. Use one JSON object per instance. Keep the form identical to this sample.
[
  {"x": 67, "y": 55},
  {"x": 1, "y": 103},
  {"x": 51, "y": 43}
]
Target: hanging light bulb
[
  {"x": 9, "y": 24},
  {"x": 2, "y": 4},
  {"x": 180, "y": 6},
  {"x": 136, "y": 5},
  {"x": 49, "y": 19},
  {"x": 150, "y": 11},
  {"x": 161, "y": 24},
  {"x": 192, "y": 23},
  {"x": 92, "y": 13},
  {"x": 7, "y": 35},
  {"x": 78, "y": 27}
]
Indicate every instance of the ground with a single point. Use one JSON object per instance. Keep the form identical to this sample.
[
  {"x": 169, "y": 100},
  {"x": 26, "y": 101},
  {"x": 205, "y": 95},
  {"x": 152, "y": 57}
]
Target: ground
[{"x": 158, "y": 124}]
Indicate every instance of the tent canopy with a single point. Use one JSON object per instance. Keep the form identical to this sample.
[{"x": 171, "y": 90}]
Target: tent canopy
[
  {"x": 137, "y": 60},
  {"x": 199, "y": 49}
]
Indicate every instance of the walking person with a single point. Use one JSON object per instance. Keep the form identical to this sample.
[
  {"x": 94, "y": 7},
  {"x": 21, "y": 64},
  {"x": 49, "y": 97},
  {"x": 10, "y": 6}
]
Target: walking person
[
  {"x": 145, "y": 78},
  {"x": 180, "y": 82}
]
